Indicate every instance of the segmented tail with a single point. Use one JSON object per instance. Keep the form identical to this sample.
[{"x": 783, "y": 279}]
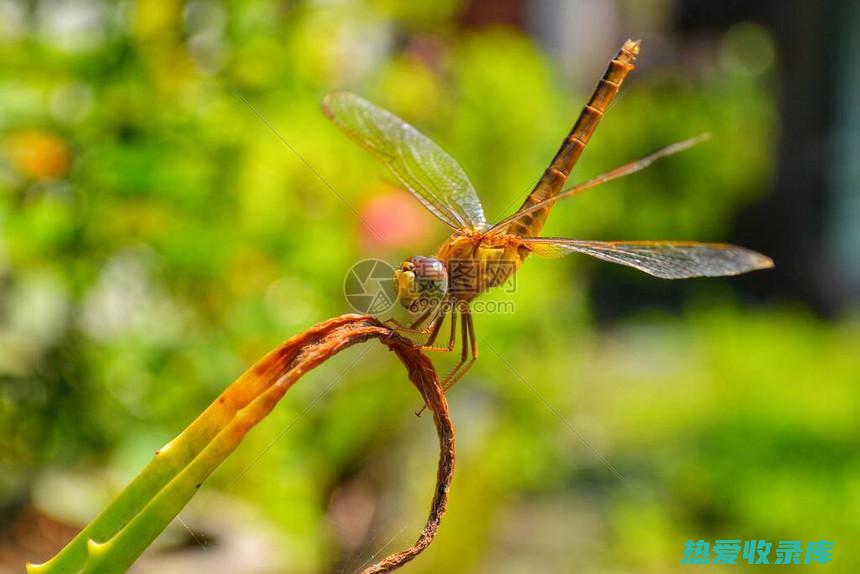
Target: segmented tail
[{"x": 555, "y": 175}]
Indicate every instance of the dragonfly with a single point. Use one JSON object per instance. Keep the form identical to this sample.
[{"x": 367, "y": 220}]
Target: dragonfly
[{"x": 477, "y": 256}]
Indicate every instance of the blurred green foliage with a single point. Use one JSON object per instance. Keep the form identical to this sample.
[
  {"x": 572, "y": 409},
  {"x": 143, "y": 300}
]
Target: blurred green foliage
[{"x": 156, "y": 237}]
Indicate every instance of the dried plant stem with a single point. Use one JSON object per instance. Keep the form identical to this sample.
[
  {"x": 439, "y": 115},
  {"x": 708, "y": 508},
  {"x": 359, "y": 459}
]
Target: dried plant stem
[{"x": 117, "y": 537}]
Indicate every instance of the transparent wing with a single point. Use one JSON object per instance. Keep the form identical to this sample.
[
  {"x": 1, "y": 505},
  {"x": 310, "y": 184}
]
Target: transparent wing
[
  {"x": 433, "y": 176},
  {"x": 665, "y": 259}
]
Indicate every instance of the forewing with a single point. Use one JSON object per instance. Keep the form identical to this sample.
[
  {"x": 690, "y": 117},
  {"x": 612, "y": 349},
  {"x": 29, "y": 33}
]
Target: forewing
[
  {"x": 433, "y": 176},
  {"x": 665, "y": 259}
]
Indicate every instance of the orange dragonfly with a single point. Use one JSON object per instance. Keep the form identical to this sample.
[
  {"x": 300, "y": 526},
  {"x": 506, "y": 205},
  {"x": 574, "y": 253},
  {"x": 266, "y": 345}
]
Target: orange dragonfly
[{"x": 478, "y": 256}]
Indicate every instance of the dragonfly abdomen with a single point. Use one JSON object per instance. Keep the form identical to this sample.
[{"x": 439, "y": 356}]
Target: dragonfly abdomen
[{"x": 553, "y": 178}]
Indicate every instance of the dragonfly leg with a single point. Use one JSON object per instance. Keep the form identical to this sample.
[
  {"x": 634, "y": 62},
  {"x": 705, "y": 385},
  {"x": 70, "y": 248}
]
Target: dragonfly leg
[
  {"x": 429, "y": 346},
  {"x": 421, "y": 319},
  {"x": 413, "y": 327},
  {"x": 460, "y": 370},
  {"x": 464, "y": 352},
  {"x": 468, "y": 342}
]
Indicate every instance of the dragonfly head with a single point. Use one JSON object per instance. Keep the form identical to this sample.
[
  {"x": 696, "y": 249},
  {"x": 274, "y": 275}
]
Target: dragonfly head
[{"x": 421, "y": 281}]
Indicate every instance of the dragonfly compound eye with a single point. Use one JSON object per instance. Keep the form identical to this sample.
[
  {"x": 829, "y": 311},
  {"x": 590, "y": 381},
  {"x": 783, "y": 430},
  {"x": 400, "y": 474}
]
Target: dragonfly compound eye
[{"x": 421, "y": 282}]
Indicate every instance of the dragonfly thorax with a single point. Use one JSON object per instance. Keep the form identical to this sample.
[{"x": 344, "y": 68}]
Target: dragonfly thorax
[{"x": 421, "y": 281}]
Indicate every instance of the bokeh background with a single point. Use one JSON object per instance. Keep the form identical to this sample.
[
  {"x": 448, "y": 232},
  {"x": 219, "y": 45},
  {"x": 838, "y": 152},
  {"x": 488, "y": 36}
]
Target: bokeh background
[{"x": 157, "y": 237}]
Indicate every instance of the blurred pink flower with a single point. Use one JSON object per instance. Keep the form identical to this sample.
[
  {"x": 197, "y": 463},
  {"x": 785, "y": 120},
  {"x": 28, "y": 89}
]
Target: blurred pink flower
[{"x": 393, "y": 220}]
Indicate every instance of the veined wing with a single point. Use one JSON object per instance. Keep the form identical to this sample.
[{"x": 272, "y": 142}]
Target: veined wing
[
  {"x": 433, "y": 176},
  {"x": 665, "y": 259}
]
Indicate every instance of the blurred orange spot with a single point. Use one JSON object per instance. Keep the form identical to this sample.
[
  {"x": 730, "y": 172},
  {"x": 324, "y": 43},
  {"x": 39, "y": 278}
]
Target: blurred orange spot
[
  {"x": 393, "y": 221},
  {"x": 38, "y": 154}
]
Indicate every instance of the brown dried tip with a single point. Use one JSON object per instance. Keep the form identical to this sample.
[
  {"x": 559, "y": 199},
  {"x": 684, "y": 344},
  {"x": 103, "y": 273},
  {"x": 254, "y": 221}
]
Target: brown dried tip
[{"x": 275, "y": 373}]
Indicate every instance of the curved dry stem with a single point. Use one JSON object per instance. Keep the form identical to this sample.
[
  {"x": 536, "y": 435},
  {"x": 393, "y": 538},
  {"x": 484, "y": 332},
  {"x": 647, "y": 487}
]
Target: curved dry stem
[
  {"x": 307, "y": 350},
  {"x": 117, "y": 537},
  {"x": 423, "y": 376}
]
